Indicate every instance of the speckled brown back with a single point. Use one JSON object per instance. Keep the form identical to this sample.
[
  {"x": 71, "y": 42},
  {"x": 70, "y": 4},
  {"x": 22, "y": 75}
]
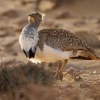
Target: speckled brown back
[{"x": 62, "y": 39}]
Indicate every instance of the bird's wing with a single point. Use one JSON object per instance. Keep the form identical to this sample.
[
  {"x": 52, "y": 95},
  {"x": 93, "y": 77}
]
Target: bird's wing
[{"x": 63, "y": 40}]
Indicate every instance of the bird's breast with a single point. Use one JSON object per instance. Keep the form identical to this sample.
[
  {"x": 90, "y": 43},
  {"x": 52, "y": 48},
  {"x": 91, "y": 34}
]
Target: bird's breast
[
  {"x": 50, "y": 54},
  {"x": 28, "y": 41}
]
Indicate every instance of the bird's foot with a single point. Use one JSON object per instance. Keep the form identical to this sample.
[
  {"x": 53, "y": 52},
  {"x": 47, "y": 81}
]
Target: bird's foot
[{"x": 59, "y": 76}]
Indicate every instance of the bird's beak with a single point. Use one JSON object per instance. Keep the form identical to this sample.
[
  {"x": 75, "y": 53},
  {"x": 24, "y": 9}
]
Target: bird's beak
[{"x": 29, "y": 15}]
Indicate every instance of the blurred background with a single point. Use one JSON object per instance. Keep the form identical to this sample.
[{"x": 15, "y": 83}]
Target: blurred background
[{"x": 82, "y": 17}]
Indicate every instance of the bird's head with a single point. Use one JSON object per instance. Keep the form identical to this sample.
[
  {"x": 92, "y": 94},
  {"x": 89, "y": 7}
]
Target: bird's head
[{"x": 35, "y": 17}]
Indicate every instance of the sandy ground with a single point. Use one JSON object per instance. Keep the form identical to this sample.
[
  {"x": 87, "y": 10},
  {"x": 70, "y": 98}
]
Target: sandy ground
[{"x": 81, "y": 17}]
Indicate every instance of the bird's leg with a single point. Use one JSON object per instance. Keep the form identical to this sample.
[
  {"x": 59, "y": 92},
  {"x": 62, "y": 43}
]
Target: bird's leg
[
  {"x": 61, "y": 69},
  {"x": 58, "y": 68}
]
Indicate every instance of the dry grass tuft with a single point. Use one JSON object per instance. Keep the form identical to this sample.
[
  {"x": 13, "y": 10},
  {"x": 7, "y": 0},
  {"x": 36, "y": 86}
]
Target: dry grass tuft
[{"x": 18, "y": 75}]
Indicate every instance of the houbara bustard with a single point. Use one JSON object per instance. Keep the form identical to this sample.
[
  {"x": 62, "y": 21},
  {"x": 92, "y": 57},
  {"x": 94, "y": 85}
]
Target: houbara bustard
[{"x": 52, "y": 45}]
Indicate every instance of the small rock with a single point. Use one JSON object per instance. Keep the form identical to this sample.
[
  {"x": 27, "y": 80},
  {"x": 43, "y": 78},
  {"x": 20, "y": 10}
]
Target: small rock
[
  {"x": 75, "y": 73},
  {"x": 99, "y": 75},
  {"x": 10, "y": 14},
  {"x": 69, "y": 86},
  {"x": 7, "y": 30},
  {"x": 46, "y": 5},
  {"x": 80, "y": 23},
  {"x": 3, "y": 34},
  {"x": 85, "y": 85},
  {"x": 94, "y": 72},
  {"x": 64, "y": 15},
  {"x": 25, "y": 2},
  {"x": 89, "y": 99},
  {"x": 98, "y": 21}
]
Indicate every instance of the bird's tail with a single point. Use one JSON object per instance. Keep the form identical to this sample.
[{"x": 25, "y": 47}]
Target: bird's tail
[
  {"x": 87, "y": 55},
  {"x": 92, "y": 55}
]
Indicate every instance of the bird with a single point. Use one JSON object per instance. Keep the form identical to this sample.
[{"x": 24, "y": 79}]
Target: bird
[{"x": 52, "y": 45}]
